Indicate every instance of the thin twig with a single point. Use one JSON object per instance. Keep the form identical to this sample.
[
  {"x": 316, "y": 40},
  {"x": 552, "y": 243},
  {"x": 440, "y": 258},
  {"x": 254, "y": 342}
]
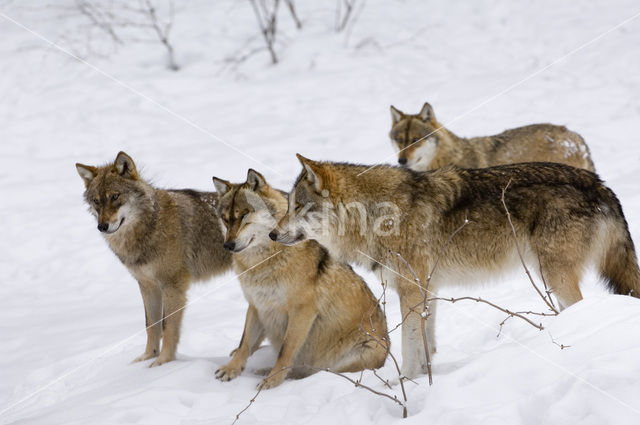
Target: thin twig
[
  {"x": 385, "y": 342},
  {"x": 544, "y": 282},
  {"x": 515, "y": 239},
  {"x": 384, "y": 381},
  {"x": 247, "y": 406},
  {"x": 294, "y": 15},
  {"x": 481, "y": 300},
  {"x": 562, "y": 346},
  {"x": 267, "y": 21},
  {"x": 368, "y": 388},
  {"x": 424, "y": 314}
]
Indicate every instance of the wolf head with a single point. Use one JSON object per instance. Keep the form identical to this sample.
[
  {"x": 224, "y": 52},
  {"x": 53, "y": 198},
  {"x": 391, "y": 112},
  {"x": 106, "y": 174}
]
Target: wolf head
[
  {"x": 311, "y": 212},
  {"x": 114, "y": 193},
  {"x": 415, "y": 137},
  {"x": 248, "y": 211}
]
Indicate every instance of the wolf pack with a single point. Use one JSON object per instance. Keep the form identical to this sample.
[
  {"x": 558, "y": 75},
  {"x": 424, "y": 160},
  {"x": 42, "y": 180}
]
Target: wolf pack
[{"x": 529, "y": 192}]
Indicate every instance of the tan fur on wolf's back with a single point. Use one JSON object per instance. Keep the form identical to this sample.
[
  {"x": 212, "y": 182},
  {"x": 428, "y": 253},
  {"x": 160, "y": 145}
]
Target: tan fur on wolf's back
[
  {"x": 424, "y": 144},
  {"x": 316, "y": 311},
  {"x": 165, "y": 238}
]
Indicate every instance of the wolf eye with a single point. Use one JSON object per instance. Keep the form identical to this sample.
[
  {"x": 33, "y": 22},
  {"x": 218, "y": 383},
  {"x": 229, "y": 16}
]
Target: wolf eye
[
  {"x": 96, "y": 201},
  {"x": 115, "y": 197}
]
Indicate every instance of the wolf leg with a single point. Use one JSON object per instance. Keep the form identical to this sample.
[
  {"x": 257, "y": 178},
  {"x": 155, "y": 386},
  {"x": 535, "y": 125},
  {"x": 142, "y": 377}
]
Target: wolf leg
[
  {"x": 252, "y": 336},
  {"x": 152, "y": 299},
  {"x": 173, "y": 302},
  {"x": 299, "y": 324},
  {"x": 414, "y": 359},
  {"x": 563, "y": 280}
]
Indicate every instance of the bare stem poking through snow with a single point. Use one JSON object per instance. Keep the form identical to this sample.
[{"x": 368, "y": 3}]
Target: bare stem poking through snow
[{"x": 547, "y": 301}]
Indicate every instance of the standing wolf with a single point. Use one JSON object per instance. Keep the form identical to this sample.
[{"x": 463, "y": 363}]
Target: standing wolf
[
  {"x": 316, "y": 311},
  {"x": 425, "y": 144},
  {"x": 564, "y": 217},
  {"x": 166, "y": 239}
]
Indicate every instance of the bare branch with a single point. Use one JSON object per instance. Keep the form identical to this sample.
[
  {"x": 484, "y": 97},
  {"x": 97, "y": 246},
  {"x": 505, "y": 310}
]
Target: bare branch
[
  {"x": 424, "y": 314},
  {"x": 127, "y": 21},
  {"x": 267, "y": 22},
  {"x": 562, "y": 346},
  {"x": 162, "y": 33},
  {"x": 515, "y": 239},
  {"x": 504, "y": 310},
  {"x": 294, "y": 15},
  {"x": 344, "y": 8},
  {"x": 361, "y": 385}
]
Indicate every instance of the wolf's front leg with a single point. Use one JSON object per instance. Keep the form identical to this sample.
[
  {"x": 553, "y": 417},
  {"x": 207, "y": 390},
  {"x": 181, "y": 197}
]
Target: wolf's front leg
[
  {"x": 299, "y": 324},
  {"x": 414, "y": 359},
  {"x": 152, "y": 299},
  {"x": 173, "y": 301},
  {"x": 252, "y": 336}
]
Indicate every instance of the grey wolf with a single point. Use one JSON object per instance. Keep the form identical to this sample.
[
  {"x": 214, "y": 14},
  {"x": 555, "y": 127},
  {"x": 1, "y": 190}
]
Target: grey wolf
[
  {"x": 424, "y": 144},
  {"x": 316, "y": 311},
  {"x": 165, "y": 238},
  {"x": 565, "y": 219}
]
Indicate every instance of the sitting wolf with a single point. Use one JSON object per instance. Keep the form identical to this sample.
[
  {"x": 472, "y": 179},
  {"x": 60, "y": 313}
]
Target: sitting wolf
[{"x": 316, "y": 311}]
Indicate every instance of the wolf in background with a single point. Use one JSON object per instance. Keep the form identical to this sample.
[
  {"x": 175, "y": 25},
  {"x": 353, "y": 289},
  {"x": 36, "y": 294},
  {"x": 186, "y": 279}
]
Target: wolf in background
[
  {"x": 565, "y": 219},
  {"x": 424, "y": 144},
  {"x": 316, "y": 311},
  {"x": 166, "y": 239}
]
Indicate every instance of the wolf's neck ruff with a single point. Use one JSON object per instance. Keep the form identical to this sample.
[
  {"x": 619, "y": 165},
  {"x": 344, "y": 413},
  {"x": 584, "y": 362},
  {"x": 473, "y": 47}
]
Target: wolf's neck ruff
[{"x": 133, "y": 243}]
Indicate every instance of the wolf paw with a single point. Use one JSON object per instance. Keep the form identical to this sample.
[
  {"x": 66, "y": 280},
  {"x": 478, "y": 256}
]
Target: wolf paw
[
  {"x": 145, "y": 356},
  {"x": 161, "y": 360},
  {"x": 264, "y": 371},
  {"x": 271, "y": 381},
  {"x": 227, "y": 373}
]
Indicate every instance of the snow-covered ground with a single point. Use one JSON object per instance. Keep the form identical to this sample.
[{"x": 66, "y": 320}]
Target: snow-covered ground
[{"x": 72, "y": 318}]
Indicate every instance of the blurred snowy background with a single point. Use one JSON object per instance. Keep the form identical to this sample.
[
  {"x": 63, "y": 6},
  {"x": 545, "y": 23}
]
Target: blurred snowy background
[{"x": 70, "y": 311}]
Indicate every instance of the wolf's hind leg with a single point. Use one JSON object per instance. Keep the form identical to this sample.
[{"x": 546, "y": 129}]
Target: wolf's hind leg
[
  {"x": 173, "y": 300},
  {"x": 563, "y": 278},
  {"x": 152, "y": 300},
  {"x": 367, "y": 354}
]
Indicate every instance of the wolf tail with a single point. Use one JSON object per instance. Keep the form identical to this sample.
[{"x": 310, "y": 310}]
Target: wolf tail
[{"x": 619, "y": 265}]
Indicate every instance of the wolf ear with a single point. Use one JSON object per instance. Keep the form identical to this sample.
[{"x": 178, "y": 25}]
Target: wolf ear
[
  {"x": 396, "y": 114},
  {"x": 125, "y": 166},
  {"x": 87, "y": 172},
  {"x": 222, "y": 186},
  {"x": 314, "y": 172},
  {"x": 426, "y": 113},
  {"x": 255, "y": 180}
]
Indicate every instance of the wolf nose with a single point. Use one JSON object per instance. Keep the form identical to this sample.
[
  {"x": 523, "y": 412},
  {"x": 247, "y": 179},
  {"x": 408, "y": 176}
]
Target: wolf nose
[
  {"x": 273, "y": 236},
  {"x": 229, "y": 246},
  {"x": 402, "y": 161},
  {"x": 103, "y": 227}
]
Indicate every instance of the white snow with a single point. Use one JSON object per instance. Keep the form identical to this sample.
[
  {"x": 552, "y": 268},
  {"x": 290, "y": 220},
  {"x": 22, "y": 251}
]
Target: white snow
[{"x": 72, "y": 318}]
